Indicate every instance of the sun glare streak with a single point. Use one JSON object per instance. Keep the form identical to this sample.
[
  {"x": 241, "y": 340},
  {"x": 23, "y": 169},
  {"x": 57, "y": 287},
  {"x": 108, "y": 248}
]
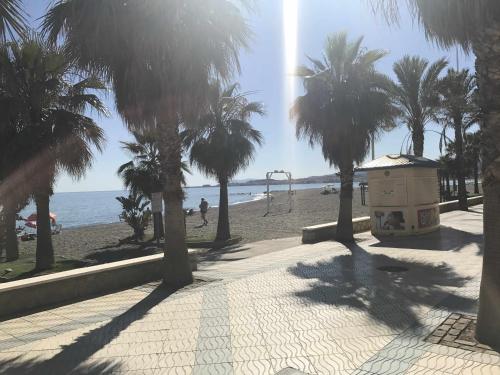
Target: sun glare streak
[{"x": 290, "y": 36}]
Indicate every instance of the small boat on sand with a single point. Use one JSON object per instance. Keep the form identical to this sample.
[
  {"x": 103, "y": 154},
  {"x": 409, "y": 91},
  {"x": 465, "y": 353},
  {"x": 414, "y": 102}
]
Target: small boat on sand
[{"x": 328, "y": 189}]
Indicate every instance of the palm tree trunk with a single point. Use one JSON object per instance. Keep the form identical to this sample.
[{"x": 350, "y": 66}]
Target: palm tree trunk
[
  {"x": 344, "y": 223},
  {"x": 462, "y": 191},
  {"x": 223, "y": 232},
  {"x": 2, "y": 233},
  {"x": 44, "y": 248},
  {"x": 177, "y": 265},
  {"x": 476, "y": 178},
  {"x": 488, "y": 76},
  {"x": 161, "y": 228},
  {"x": 158, "y": 229},
  {"x": 418, "y": 141},
  {"x": 11, "y": 245},
  {"x": 448, "y": 190},
  {"x": 441, "y": 185}
]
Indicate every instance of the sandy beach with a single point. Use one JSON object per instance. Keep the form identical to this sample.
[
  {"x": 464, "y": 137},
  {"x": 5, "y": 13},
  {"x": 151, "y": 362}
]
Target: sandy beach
[
  {"x": 309, "y": 207},
  {"x": 98, "y": 243},
  {"x": 101, "y": 243}
]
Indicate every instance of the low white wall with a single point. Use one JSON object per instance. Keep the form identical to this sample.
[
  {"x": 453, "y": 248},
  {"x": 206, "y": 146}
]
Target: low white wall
[
  {"x": 325, "y": 232},
  {"x": 23, "y": 296},
  {"x": 453, "y": 205}
]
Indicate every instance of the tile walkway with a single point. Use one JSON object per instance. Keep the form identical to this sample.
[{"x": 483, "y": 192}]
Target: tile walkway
[{"x": 319, "y": 309}]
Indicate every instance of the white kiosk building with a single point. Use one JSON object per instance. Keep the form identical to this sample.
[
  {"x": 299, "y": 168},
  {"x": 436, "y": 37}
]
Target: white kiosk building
[{"x": 403, "y": 194}]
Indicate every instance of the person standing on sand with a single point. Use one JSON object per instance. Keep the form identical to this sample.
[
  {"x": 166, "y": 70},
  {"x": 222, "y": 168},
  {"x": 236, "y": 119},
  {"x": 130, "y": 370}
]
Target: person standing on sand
[{"x": 204, "y": 210}]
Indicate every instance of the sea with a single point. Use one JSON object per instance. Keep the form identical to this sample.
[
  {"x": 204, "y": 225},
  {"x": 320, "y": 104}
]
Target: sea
[{"x": 101, "y": 207}]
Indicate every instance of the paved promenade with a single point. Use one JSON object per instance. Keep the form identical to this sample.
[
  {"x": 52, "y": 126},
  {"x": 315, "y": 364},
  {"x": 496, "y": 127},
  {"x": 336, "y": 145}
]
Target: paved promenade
[{"x": 319, "y": 309}]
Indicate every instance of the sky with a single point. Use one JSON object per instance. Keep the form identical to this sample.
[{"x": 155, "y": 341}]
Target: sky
[{"x": 285, "y": 31}]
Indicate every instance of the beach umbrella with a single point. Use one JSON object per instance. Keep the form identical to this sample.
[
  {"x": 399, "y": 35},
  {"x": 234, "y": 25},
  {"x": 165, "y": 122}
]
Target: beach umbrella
[
  {"x": 31, "y": 224},
  {"x": 32, "y": 218}
]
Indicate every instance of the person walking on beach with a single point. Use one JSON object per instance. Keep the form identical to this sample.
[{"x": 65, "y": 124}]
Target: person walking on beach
[{"x": 204, "y": 210}]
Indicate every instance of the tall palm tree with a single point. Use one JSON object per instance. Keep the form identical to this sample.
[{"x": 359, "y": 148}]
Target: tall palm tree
[
  {"x": 222, "y": 142},
  {"x": 48, "y": 104},
  {"x": 472, "y": 142},
  {"x": 12, "y": 19},
  {"x": 346, "y": 101},
  {"x": 12, "y": 198},
  {"x": 159, "y": 56},
  {"x": 416, "y": 95},
  {"x": 458, "y": 109},
  {"x": 143, "y": 174},
  {"x": 446, "y": 172},
  {"x": 475, "y": 25}
]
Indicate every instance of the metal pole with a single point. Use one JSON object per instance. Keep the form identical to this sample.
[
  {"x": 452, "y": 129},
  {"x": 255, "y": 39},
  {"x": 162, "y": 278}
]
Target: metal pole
[
  {"x": 267, "y": 181},
  {"x": 158, "y": 229},
  {"x": 289, "y": 175}
]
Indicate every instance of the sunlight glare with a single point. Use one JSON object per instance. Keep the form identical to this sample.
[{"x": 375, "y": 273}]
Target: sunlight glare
[{"x": 290, "y": 36}]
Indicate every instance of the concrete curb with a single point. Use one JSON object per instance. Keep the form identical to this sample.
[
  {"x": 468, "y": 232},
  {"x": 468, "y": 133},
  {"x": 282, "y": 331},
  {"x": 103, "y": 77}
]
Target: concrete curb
[{"x": 327, "y": 231}]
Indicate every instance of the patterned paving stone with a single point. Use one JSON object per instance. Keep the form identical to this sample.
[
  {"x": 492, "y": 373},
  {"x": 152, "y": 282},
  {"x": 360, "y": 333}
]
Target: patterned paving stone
[
  {"x": 331, "y": 364},
  {"x": 319, "y": 309},
  {"x": 249, "y": 353},
  {"x": 262, "y": 366},
  {"x": 451, "y": 365},
  {"x": 303, "y": 364},
  {"x": 214, "y": 369}
]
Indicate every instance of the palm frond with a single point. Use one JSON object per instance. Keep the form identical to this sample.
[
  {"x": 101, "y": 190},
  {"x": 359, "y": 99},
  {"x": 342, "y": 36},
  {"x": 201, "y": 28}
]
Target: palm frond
[
  {"x": 447, "y": 22},
  {"x": 221, "y": 142},
  {"x": 153, "y": 51},
  {"x": 345, "y": 104},
  {"x": 12, "y": 19}
]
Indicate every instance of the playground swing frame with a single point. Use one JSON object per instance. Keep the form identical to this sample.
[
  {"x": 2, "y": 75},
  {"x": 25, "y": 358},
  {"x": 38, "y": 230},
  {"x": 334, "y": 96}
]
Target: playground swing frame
[{"x": 268, "y": 179}]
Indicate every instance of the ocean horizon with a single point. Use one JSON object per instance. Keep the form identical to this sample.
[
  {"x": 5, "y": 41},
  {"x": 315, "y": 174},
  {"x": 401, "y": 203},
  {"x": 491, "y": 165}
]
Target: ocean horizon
[{"x": 77, "y": 209}]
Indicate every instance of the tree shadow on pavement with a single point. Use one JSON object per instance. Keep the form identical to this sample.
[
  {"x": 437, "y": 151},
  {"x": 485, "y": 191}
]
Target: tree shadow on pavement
[
  {"x": 392, "y": 298},
  {"x": 117, "y": 254},
  {"x": 18, "y": 366},
  {"x": 72, "y": 358},
  {"x": 444, "y": 239},
  {"x": 226, "y": 252}
]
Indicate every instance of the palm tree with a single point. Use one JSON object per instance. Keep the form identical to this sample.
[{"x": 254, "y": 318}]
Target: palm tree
[
  {"x": 446, "y": 170},
  {"x": 475, "y": 25},
  {"x": 416, "y": 96},
  {"x": 458, "y": 109},
  {"x": 159, "y": 56},
  {"x": 48, "y": 105},
  {"x": 12, "y": 198},
  {"x": 472, "y": 142},
  {"x": 346, "y": 101},
  {"x": 12, "y": 19},
  {"x": 222, "y": 142},
  {"x": 143, "y": 174}
]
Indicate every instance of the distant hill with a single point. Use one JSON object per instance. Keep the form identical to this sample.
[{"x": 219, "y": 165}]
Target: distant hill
[{"x": 326, "y": 179}]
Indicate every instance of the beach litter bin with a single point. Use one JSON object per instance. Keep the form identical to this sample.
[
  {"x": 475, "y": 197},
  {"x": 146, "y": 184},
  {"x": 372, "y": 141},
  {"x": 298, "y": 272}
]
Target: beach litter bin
[{"x": 403, "y": 194}]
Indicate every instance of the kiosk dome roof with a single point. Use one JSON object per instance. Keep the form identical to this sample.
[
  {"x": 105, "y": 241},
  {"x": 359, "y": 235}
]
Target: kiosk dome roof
[{"x": 398, "y": 161}]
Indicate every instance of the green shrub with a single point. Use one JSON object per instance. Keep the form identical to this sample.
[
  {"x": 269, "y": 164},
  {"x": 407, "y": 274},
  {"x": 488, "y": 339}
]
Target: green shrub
[{"x": 135, "y": 213}]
